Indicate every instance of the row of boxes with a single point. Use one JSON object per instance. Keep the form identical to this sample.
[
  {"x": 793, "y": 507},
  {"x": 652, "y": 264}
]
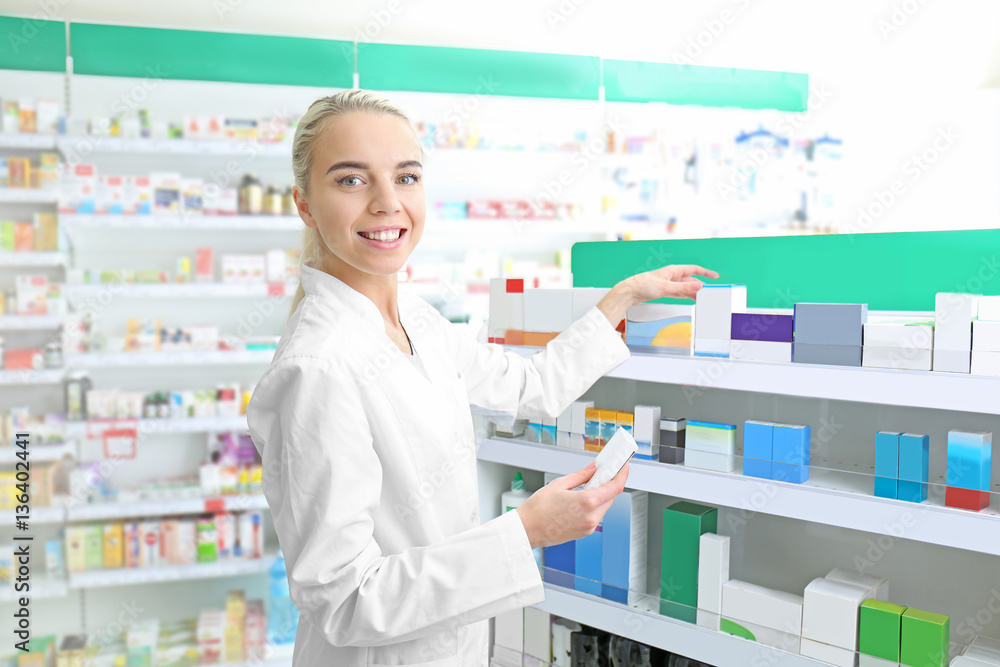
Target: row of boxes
[
  {"x": 776, "y": 451},
  {"x": 535, "y": 316},
  {"x": 20, "y": 172},
  {"x": 39, "y": 235}
]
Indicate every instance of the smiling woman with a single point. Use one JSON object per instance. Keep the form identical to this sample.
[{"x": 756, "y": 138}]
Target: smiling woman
[{"x": 363, "y": 422}]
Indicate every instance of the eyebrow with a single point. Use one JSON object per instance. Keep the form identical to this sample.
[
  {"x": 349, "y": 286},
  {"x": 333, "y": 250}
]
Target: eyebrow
[{"x": 362, "y": 165}]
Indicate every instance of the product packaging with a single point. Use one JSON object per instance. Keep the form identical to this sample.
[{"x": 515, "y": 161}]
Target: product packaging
[
  {"x": 110, "y": 195},
  {"x": 27, "y": 115},
  {"x": 77, "y": 194},
  {"x": 192, "y": 200},
  {"x": 166, "y": 192},
  {"x": 138, "y": 195}
]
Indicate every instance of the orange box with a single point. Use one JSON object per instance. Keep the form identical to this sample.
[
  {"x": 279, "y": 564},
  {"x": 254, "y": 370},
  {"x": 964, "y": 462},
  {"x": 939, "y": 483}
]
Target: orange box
[
  {"x": 625, "y": 419},
  {"x": 513, "y": 337},
  {"x": 20, "y": 359},
  {"x": 24, "y": 237},
  {"x": 114, "y": 545},
  {"x": 533, "y": 339},
  {"x": 18, "y": 172}
]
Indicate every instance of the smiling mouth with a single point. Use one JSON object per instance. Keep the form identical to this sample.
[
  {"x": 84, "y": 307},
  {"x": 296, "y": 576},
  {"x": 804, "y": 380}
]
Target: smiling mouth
[{"x": 386, "y": 236}]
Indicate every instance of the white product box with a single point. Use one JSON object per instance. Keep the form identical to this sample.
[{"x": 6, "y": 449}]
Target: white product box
[
  {"x": 110, "y": 197},
  {"x": 564, "y": 422},
  {"x": 841, "y": 657},
  {"x": 878, "y": 584},
  {"x": 694, "y": 458},
  {"x": 985, "y": 649},
  {"x": 220, "y": 201},
  {"x": 986, "y": 363},
  {"x": 538, "y": 633},
  {"x": 578, "y": 423},
  {"x": 47, "y": 117},
  {"x": 986, "y": 336},
  {"x": 763, "y": 606},
  {"x": 872, "y": 661},
  {"x": 712, "y": 347},
  {"x": 256, "y": 268},
  {"x": 915, "y": 336},
  {"x": 166, "y": 192},
  {"x": 192, "y": 197},
  {"x": 713, "y": 314},
  {"x": 562, "y": 642},
  {"x": 646, "y": 431},
  {"x": 130, "y": 128},
  {"x": 149, "y": 544},
  {"x": 276, "y": 261},
  {"x": 30, "y": 293},
  {"x": 547, "y": 310},
  {"x": 952, "y": 361},
  {"x": 500, "y": 316},
  {"x": 953, "y": 315},
  {"x": 830, "y": 612},
  {"x": 900, "y": 358},
  {"x": 713, "y": 571},
  {"x": 516, "y": 311},
  {"x": 138, "y": 197},
  {"x": 989, "y": 308},
  {"x": 231, "y": 268},
  {"x": 585, "y": 298},
  {"x": 760, "y": 350},
  {"x": 78, "y": 190}
]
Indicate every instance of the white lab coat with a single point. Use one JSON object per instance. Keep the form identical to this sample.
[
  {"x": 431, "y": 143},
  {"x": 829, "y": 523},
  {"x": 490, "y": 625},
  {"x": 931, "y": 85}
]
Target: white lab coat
[{"x": 370, "y": 475}]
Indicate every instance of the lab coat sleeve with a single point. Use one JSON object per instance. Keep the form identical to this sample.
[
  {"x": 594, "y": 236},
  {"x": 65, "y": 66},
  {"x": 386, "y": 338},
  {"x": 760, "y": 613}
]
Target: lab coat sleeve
[
  {"x": 545, "y": 384},
  {"x": 322, "y": 481}
]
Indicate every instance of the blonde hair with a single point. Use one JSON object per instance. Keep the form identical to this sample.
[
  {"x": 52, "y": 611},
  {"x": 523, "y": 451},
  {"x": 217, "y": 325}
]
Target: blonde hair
[{"x": 304, "y": 147}]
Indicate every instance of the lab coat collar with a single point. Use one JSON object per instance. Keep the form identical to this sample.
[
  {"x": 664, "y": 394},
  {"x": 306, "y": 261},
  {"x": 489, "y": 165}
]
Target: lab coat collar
[{"x": 320, "y": 283}]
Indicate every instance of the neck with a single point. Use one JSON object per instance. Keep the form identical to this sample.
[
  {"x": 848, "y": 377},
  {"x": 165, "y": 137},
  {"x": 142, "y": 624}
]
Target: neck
[{"x": 380, "y": 289}]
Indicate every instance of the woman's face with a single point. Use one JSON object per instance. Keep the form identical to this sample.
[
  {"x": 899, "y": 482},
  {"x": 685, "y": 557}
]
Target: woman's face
[{"x": 366, "y": 194}]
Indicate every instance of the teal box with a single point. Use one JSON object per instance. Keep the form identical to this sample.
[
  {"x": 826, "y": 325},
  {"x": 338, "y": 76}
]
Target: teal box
[
  {"x": 791, "y": 453},
  {"x": 970, "y": 457},
  {"x": 887, "y": 464},
  {"x": 589, "y": 562},
  {"x": 914, "y": 467}
]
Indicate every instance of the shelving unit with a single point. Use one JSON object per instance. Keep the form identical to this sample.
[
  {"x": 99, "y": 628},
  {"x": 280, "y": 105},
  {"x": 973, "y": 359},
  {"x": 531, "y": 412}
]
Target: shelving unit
[
  {"x": 40, "y": 589},
  {"x": 10, "y": 454},
  {"x": 44, "y": 376},
  {"x": 69, "y": 144},
  {"x": 128, "y": 577},
  {"x": 29, "y": 322},
  {"x": 27, "y": 140},
  {"x": 33, "y": 258},
  {"x": 182, "y": 425},
  {"x": 152, "y": 508},
  {"x": 183, "y": 222},
  {"x": 220, "y": 357},
  {"x": 181, "y": 290},
  {"x": 28, "y": 195}
]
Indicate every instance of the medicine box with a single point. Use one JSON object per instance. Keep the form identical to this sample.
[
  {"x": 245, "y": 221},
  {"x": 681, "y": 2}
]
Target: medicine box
[
  {"x": 683, "y": 525},
  {"x": 713, "y": 311},
  {"x": 658, "y": 327}
]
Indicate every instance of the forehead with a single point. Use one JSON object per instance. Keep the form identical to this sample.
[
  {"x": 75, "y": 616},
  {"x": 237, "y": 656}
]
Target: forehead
[{"x": 379, "y": 140}]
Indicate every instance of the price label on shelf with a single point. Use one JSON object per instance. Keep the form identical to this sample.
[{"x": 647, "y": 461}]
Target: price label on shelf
[
  {"x": 276, "y": 289},
  {"x": 215, "y": 505},
  {"x": 120, "y": 440}
]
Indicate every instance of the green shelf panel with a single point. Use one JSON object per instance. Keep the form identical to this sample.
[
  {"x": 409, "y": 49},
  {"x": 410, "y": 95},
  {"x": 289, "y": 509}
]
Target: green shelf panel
[
  {"x": 32, "y": 44},
  {"x": 888, "y": 271},
  {"x": 210, "y": 56},
  {"x": 436, "y": 69},
  {"x": 633, "y": 81}
]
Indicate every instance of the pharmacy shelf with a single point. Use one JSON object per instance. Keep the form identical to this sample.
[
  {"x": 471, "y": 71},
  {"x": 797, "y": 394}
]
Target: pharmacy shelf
[
  {"x": 32, "y": 258},
  {"x": 20, "y": 377},
  {"x": 28, "y": 195},
  {"x": 147, "y": 427},
  {"x": 118, "y": 359},
  {"x": 182, "y": 290},
  {"x": 29, "y": 322},
  {"x": 36, "y": 453},
  {"x": 40, "y": 588},
  {"x": 847, "y": 506},
  {"x": 919, "y": 389},
  {"x": 148, "y": 508},
  {"x": 27, "y": 140},
  {"x": 150, "y": 575},
  {"x": 99, "y": 144},
  {"x": 183, "y": 222},
  {"x": 527, "y": 227},
  {"x": 38, "y": 515},
  {"x": 650, "y": 628}
]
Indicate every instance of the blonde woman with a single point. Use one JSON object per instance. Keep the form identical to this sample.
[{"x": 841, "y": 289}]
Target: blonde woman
[{"x": 364, "y": 425}]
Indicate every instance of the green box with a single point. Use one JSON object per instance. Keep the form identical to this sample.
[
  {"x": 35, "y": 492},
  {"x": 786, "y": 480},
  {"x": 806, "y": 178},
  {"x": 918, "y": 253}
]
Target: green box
[
  {"x": 683, "y": 525},
  {"x": 7, "y": 235},
  {"x": 93, "y": 546},
  {"x": 879, "y": 629},
  {"x": 924, "y": 639}
]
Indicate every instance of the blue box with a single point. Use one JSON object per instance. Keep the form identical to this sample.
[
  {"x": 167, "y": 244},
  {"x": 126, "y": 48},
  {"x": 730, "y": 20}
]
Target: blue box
[
  {"x": 830, "y": 323},
  {"x": 533, "y": 432},
  {"x": 588, "y": 562},
  {"x": 623, "y": 548},
  {"x": 914, "y": 467},
  {"x": 757, "y": 449},
  {"x": 970, "y": 457},
  {"x": 560, "y": 561},
  {"x": 790, "y": 446},
  {"x": 887, "y": 464}
]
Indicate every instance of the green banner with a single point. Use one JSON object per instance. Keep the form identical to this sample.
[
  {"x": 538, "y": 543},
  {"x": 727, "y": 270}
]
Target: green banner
[
  {"x": 210, "y": 56},
  {"x": 32, "y": 44},
  {"x": 630, "y": 81},
  {"x": 892, "y": 271},
  {"x": 435, "y": 69}
]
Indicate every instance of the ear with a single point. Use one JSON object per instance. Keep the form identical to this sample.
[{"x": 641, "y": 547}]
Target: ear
[{"x": 303, "y": 207}]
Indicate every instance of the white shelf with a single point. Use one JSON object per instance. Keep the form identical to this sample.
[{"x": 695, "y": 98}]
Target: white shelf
[
  {"x": 184, "y": 222},
  {"x": 29, "y": 195},
  {"x": 29, "y": 322},
  {"x": 99, "y": 144},
  {"x": 578, "y": 227},
  {"x": 32, "y": 258},
  {"x": 148, "y": 575},
  {"x": 9, "y": 453},
  {"x": 40, "y": 588},
  {"x": 45, "y": 376},
  {"x": 118, "y": 359},
  {"x": 919, "y": 389},
  {"x": 38, "y": 515},
  {"x": 184, "y": 290},
  {"x": 27, "y": 140},
  {"x": 147, "y": 427},
  {"x": 103, "y": 511},
  {"x": 652, "y": 629},
  {"x": 813, "y": 501}
]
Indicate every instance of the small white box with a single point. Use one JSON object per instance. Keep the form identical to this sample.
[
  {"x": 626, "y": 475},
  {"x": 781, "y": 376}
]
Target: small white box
[
  {"x": 986, "y": 336},
  {"x": 694, "y": 458},
  {"x": 953, "y": 315},
  {"x": 841, "y": 657},
  {"x": 138, "y": 197},
  {"x": 508, "y": 630},
  {"x": 899, "y": 358},
  {"x": 585, "y": 298},
  {"x": 986, "y": 363},
  {"x": 713, "y": 571},
  {"x": 505, "y": 657},
  {"x": 985, "y": 649},
  {"x": 989, "y": 308},
  {"x": 712, "y": 347},
  {"x": 830, "y": 612},
  {"x": 500, "y": 305},
  {"x": 516, "y": 311},
  {"x": 916, "y": 336},
  {"x": 564, "y": 423},
  {"x": 760, "y": 350},
  {"x": 538, "y": 633},
  {"x": 110, "y": 196},
  {"x": 872, "y": 661},
  {"x": 646, "y": 426},
  {"x": 276, "y": 266},
  {"x": 578, "y": 424},
  {"x": 763, "y": 606},
  {"x": 877, "y": 584},
  {"x": 952, "y": 361},
  {"x": 47, "y": 117},
  {"x": 548, "y": 310},
  {"x": 713, "y": 313}
]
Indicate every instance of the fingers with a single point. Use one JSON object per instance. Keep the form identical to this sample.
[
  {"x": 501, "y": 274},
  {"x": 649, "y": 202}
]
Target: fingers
[
  {"x": 606, "y": 492},
  {"x": 693, "y": 270},
  {"x": 575, "y": 478}
]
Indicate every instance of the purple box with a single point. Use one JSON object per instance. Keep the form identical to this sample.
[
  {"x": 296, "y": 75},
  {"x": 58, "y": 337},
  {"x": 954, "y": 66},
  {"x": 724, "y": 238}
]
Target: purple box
[{"x": 762, "y": 326}]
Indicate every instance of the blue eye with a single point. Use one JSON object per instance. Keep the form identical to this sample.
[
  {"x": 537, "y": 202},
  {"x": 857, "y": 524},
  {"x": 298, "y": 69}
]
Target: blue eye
[
  {"x": 352, "y": 177},
  {"x": 413, "y": 179}
]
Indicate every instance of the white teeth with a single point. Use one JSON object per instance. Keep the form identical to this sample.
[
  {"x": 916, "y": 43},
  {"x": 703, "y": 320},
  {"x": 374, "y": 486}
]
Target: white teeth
[{"x": 384, "y": 236}]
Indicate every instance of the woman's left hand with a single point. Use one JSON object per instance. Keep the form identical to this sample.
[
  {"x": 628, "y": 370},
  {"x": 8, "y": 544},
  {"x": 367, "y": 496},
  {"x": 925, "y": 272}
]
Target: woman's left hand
[{"x": 673, "y": 281}]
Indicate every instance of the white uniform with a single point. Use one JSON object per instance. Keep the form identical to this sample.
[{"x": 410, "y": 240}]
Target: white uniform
[{"x": 370, "y": 475}]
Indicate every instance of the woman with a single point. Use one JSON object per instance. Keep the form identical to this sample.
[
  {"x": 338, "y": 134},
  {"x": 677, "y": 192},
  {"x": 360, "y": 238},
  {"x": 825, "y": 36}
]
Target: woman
[{"x": 364, "y": 426}]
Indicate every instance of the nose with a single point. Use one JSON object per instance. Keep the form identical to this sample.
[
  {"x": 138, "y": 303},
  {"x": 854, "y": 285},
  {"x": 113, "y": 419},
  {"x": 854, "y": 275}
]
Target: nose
[{"x": 384, "y": 200}]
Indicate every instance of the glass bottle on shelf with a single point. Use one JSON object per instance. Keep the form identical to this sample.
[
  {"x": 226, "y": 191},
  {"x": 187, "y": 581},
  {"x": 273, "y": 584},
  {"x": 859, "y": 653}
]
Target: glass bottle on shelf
[
  {"x": 272, "y": 201},
  {"x": 251, "y": 196},
  {"x": 77, "y": 385}
]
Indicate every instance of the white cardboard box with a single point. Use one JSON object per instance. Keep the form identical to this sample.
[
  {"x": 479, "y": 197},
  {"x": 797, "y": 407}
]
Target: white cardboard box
[
  {"x": 986, "y": 336},
  {"x": 508, "y": 630},
  {"x": 899, "y": 358},
  {"x": 830, "y": 612},
  {"x": 579, "y": 420},
  {"x": 920, "y": 337},
  {"x": 760, "y": 350},
  {"x": 548, "y": 310},
  {"x": 878, "y": 584},
  {"x": 762, "y": 606},
  {"x": 953, "y": 315},
  {"x": 585, "y": 298},
  {"x": 713, "y": 312},
  {"x": 713, "y": 571},
  {"x": 537, "y": 633},
  {"x": 989, "y": 308},
  {"x": 952, "y": 361}
]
